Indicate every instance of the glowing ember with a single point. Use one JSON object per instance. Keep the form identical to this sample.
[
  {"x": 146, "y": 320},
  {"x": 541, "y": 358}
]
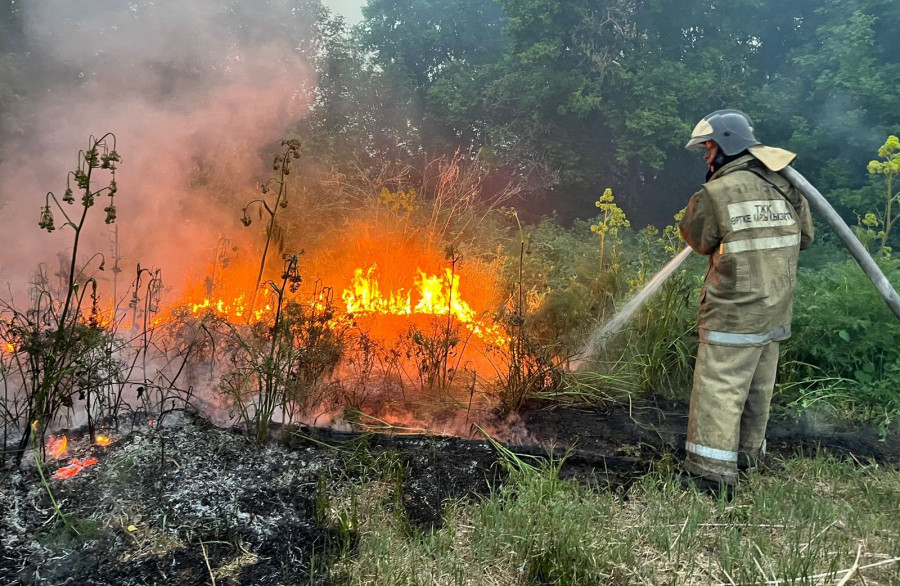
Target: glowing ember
[
  {"x": 56, "y": 446},
  {"x": 74, "y": 468},
  {"x": 102, "y": 440}
]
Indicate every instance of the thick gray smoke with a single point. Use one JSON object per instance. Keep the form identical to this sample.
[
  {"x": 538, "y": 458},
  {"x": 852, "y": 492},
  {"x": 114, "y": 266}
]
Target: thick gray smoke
[{"x": 197, "y": 93}]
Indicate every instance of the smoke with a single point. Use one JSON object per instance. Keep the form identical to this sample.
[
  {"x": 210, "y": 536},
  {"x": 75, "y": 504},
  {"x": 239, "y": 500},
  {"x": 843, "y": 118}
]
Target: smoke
[{"x": 197, "y": 94}]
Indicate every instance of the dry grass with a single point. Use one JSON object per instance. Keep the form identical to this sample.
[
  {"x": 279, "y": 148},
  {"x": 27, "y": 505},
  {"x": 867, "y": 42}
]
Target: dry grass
[{"x": 813, "y": 521}]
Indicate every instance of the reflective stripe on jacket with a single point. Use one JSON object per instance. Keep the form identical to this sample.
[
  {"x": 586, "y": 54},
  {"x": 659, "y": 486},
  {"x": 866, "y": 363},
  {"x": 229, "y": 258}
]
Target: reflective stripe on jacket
[{"x": 752, "y": 234}]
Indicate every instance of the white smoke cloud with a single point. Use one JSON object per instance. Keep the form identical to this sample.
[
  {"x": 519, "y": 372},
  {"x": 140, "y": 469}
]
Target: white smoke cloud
[{"x": 194, "y": 92}]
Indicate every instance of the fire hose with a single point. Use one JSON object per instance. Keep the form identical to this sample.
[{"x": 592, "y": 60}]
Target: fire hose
[{"x": 816, "y": 201}]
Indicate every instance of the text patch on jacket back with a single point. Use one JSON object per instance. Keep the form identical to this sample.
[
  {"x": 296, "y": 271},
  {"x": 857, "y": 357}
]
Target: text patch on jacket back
[{"x": 763, "y": 213}]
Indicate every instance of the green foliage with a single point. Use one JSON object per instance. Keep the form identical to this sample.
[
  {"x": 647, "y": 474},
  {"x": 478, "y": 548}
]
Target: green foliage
[
  {"x": 611, "y": 219},
  {"x": 525, "y": 368},
  {"x": 801, "y": 523},
  {"x": 281, "y": 367},
  {"x": 846, "y": 344},
  {"x": 571, "y": 290},
  {"x": 663, "y": 342},
  {"x": 569, "y": 95},
  {"x": 890, "y": 168}
]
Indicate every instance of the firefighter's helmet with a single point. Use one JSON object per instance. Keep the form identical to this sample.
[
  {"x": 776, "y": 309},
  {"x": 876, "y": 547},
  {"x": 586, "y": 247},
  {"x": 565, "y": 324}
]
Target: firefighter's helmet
[{"x": 732, "y": 130}]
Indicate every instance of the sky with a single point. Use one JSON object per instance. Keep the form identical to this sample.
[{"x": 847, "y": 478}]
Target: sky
[{"x": 349, "y": 9}]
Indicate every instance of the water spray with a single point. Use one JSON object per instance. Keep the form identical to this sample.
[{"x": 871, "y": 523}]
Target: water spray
[
  {"x": 602, "y": 335},
  {"x": 599, "y": 338}
]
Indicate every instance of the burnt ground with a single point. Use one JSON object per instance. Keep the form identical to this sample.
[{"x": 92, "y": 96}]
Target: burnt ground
[{"x": 167, "y": 505}]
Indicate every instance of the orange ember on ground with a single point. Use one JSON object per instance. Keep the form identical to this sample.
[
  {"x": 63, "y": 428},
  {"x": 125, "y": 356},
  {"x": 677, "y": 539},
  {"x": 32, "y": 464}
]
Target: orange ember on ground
[
  {"x": 56, "y": 446},
  {"x": 74, "y": 468}
]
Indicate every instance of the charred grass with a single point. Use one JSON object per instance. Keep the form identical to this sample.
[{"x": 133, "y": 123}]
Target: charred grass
[{"x": 327, "y": 508}]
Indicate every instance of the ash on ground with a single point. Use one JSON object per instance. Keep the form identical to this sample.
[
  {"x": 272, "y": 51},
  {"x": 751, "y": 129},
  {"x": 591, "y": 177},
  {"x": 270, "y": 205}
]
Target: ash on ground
[{"x": 187, "y": 502}]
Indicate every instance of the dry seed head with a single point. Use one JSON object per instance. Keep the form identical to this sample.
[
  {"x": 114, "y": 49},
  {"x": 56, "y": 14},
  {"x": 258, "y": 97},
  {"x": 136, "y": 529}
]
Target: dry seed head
[{"x": 46, "y": 222}]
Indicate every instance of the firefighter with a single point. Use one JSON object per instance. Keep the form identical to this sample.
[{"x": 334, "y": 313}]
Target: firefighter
[{"x": 751, "y": 223}]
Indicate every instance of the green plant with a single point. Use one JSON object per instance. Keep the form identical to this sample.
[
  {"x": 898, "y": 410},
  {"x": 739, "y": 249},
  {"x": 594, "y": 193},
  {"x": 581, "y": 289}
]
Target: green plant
[
  {"x": 59, "y": 348},
  {"x": 803, "y": 522},
  {"x": 280, "y": 366},
  {"x": 662, "y": 342},
  {"x": 890, "y": 168},
  {"x": 524, "y": 367},
  {"x": 845, "y": 349},
  {"x": 611, "y": 219}
]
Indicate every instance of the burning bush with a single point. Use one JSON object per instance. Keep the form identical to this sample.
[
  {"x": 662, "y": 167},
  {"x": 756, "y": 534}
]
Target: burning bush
[{"x": 282, "y": 365}]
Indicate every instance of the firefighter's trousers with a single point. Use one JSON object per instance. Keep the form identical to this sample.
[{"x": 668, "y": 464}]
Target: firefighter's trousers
[{"x": 729, "y": 409}]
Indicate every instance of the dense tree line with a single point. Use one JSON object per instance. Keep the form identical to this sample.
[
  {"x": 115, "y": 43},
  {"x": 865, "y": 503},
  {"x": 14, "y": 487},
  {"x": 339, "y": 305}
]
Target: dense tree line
[
  {"x": 579, "y": 95},
  {"x": 572, "y": 96}
]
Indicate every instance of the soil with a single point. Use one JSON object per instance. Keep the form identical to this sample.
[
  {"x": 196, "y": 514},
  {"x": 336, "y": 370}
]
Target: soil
[{"x": 165, "y": 504}]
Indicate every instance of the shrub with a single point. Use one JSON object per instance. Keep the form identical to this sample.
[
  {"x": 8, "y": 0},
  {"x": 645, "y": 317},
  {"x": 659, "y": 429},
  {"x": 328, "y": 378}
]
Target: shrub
[
  {"x": 846, "y": 344},
  {"x": 282, "y": 366}
]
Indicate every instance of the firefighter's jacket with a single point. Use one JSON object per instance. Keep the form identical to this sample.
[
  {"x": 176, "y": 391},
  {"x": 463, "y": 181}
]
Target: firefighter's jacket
[{"x": 752, "y": 223}]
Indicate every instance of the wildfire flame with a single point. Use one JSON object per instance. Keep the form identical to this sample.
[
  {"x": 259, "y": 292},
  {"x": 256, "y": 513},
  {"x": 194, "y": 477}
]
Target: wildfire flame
[
  {"x": 430, "y": 295},
  {"x": 233, "y": 308},
  {"x": 74, "y": 468},
  {"x": 102, "y": 440},
  {"x": 437, "y": 296},
  {"x": 56, "y": 446},
  {"x": 434, "y": 294}
]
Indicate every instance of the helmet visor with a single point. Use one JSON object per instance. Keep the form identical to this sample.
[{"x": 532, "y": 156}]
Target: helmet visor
[{"x": 702, "y": 132}]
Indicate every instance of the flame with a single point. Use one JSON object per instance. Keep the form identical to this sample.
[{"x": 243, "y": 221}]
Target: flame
[
  {"x": 10, "y": 347},
  {"x": 102, "y": 440},
  {"x": 440, "y": 296},
  {"x": 74, "y": 468},
  {"x": 234, "y": 309},
  {"x": 364, "y": 296},
  {"x": 56, "y": 446},
  {"x": 435, "y": 295}
]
